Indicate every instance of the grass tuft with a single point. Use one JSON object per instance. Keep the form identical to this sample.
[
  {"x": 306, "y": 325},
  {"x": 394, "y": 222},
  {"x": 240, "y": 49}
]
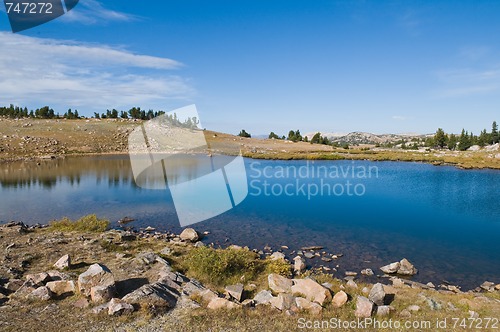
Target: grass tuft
[{"x": 88, "y": 223}]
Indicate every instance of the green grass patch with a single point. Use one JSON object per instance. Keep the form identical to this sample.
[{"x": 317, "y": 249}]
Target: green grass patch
[
  {"x": 222, "y": 267},
  {"x": 88, "y": 223}
]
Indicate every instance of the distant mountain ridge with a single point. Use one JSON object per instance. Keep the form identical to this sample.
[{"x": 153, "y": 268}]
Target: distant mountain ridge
[{"x": 358, "y": 137}]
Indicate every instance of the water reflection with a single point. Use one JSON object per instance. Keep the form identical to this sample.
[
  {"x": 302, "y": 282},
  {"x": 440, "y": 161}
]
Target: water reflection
[{"x": 48, "y": 173}]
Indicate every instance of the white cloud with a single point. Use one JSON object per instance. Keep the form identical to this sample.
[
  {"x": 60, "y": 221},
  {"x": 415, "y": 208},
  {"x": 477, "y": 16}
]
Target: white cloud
[
  {"x": 39, "y": 71},
  {"x": 93, "y": 12}
]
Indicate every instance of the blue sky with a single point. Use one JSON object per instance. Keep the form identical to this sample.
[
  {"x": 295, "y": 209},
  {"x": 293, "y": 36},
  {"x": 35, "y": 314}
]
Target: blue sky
[{"x": 262, "y": 65}]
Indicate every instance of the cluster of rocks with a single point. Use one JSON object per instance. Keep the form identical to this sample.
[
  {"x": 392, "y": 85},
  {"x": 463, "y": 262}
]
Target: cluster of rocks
[{"x": 98, "y": 291}]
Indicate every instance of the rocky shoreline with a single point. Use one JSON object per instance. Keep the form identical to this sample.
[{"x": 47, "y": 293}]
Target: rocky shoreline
[{"x": 136, "y": 273}]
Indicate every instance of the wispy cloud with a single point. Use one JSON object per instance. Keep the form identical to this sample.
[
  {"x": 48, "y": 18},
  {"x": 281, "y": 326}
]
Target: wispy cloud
[
  {"x": 93, "y": 12},
  {"x": 474, "y": 52},
  {"x": 468, "y": 81},
  {"x": 399, "y": 117},
  {"x": 87, "y": 76},
  {"x": 411, "y": 22}
]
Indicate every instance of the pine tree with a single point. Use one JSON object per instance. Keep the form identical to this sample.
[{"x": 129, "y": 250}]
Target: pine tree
[
  {"x": 452, "y": 142},
  {"x": 494, "y": 133},
  {"x": 440, "y": 138}
]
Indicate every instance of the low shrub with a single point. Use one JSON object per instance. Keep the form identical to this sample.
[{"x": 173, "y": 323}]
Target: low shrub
[{"x": 222, "y": 267}]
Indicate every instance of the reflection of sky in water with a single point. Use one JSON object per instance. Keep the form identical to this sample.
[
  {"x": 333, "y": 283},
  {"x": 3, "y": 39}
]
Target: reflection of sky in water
[{"x": 443, "y": 219}]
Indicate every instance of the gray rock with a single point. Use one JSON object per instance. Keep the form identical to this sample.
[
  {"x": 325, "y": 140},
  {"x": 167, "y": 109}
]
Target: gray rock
[
  {"x": 61, "y": 287},
  {"x": 102, "y": 293},
  {"x": 339, "y": 299},
  {"x": 279, "y": 284},
  {"x": 488, "y": 286},
  {"x": 57, "y": 275},
  {"x": 311, "y": 290},
  {"x": 184, "y": 302},
  {"x": 406, "y": 268},
  {"x": 220, "y": 303},
  {"x": 351, "y": 273},
  {"x": 263, "y": 297},
  {"x": 208, "y": 295},
  {"x": 41, "y": 293},
  {"x": 305, "y": 304},
  {"x": 175, "y": 276},
  {"x": 384, "y": 310},
  {"x": 157, "y": 295},
  {"x": 63, "y": 263},
  {"x": 364, "y": 307},
  {"x": 299, "y": 264},
  {"x": 367, "y": 272},
  {"x": 189, "y": 234},
  {"x": 100, "y": 308},
  {"x": 235, "y": 291},
  {"x": 390, "y": 268},
  {"x": 309, "y": 254},
  {"x": 148, "y": 257},
  {"x": 96, "y": 275},
  {"x": 377, "y": 294},
  {"x": 117, "y": 307},
  {"x": 192, "y": 287},
  {"x": 352, "y": 284},
  {"x": 283, "y": 302},
  {"x": 38, "y": 279}
]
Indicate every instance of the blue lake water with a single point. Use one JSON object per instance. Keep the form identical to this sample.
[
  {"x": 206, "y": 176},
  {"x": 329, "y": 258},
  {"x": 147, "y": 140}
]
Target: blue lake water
[{"x": 444, "y": 220}]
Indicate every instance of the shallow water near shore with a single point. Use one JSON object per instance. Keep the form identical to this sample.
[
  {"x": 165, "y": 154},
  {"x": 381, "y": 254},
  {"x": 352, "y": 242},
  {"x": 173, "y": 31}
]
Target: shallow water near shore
[{"x": 444, "y": 220}]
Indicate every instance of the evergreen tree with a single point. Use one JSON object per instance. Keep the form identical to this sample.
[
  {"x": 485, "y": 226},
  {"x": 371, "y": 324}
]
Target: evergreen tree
[
  {"x": 483, "y": 138},
  {"x": 452, "y": 142},
  {"x": 440, "y": 138},
  {"x": 316, "y": 138},
  {"x": 464, "y": 142},
  {"x": 272, "y": 135},
  {"x": 495, "y": 137},
  {"x": 243, "y": 133}
]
